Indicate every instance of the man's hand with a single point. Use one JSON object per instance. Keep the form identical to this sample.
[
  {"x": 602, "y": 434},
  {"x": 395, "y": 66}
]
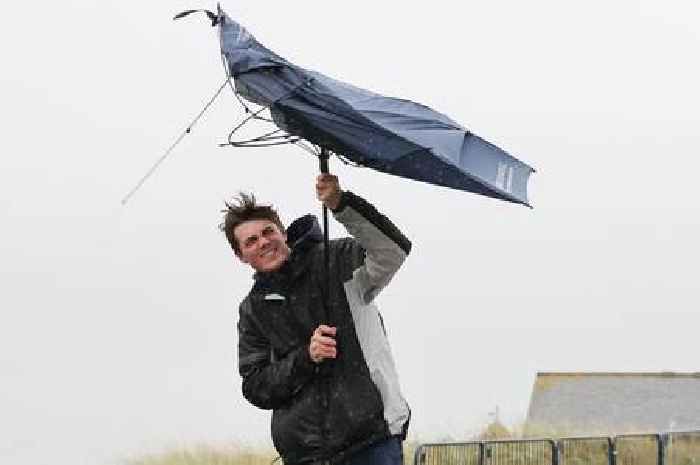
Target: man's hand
[
  {"x": 328, "y": 190},
  {"x": 322, "y": 345}
]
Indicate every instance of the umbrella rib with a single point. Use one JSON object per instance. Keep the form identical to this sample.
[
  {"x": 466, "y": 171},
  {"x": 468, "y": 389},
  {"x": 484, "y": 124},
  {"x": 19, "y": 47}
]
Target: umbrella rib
[{"x": 160, "y": 160}]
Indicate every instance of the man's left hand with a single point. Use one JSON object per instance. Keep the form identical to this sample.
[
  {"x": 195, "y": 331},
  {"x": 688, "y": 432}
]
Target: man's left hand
[{"x": 328, "y": 190}]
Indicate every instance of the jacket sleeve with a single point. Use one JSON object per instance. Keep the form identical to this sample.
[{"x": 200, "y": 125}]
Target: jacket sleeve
[
  {"x": 269, "y": 383},
  {"x": 385, "y": 247}
]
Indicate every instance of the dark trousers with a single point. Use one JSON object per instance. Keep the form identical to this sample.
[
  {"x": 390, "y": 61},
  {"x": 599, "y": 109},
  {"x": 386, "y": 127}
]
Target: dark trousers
[{"x": 387, "y": 452}]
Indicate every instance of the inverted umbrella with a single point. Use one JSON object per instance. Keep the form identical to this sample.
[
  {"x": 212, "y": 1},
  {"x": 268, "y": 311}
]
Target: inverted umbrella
[
  {"x": 387, "y": 134},
  {"x": 391, "y": 135}
]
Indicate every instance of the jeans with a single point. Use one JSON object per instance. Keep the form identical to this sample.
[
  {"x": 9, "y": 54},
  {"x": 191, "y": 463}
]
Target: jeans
[{"x": 387, "y": 452}]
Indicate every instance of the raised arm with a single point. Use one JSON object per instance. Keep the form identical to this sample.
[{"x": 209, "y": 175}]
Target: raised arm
[{"x": 385, "y": 247}]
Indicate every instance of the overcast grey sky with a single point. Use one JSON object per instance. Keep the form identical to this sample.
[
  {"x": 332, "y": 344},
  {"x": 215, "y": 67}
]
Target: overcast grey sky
[{"x": 117, "y": 330}]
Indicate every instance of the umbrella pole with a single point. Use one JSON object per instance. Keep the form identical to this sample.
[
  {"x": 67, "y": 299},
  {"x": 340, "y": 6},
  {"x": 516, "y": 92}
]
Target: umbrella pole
[{"x": 323, "y": 165}]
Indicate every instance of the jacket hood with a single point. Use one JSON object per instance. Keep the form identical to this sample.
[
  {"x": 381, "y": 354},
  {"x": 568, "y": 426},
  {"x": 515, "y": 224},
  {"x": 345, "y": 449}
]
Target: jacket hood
[{"x": 304, "y": 231}]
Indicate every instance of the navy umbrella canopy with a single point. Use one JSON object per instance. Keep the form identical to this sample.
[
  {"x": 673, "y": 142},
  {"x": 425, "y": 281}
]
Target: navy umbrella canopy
[{"x": 392, "y": 135}]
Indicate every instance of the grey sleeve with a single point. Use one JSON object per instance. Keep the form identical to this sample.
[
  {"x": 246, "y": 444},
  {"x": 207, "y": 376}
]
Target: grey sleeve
[{"x": 385, "y": 246}]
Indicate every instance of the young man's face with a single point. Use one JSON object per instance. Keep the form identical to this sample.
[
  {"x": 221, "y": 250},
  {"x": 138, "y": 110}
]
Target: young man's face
[{"x": 263, "y": 246}]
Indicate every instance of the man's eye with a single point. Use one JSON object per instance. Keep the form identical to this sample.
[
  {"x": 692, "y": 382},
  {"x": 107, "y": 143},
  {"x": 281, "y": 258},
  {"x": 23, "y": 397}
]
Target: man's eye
[
  {"x": 250, "y": 241},
  {"x": 267, "y": 231}
]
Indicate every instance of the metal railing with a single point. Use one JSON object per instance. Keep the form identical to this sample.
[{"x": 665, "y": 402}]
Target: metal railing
[
  {"x": 673, "y": 448},
  {"x": 586, "y": 451}
]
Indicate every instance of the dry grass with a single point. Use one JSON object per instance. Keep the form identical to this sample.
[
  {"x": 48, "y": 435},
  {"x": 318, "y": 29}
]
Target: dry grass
[
  {"x": 228, "y": 455},
  {"x": 208, "y": 455},
  {"x": 681, "y": 450}
]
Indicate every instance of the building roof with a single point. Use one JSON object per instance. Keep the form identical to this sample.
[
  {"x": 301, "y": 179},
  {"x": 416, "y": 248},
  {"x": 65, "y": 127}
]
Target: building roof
[{"x": 614, "y": 403}]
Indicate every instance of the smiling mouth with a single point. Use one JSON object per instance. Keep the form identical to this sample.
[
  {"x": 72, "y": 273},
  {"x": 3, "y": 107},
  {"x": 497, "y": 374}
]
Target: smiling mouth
[{"x": 268, "y": 252}]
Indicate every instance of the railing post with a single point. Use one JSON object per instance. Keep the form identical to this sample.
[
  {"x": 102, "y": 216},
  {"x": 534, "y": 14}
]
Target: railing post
[
  {"x": 419, "y": 455},
  {"x": 662, "y": 439},
  {"x": 555, "y": 451},
  {"x": 482, "y": 453},
  {"x": 612, "y": 451}
]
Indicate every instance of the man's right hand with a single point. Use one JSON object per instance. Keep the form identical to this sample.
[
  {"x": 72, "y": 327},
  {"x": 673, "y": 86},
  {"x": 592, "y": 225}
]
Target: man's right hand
[{"x": 323, "y": 345}]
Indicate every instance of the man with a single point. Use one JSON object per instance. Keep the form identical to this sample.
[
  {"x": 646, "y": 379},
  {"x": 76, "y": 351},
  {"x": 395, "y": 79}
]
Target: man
[{"x": 314, "y": 350}]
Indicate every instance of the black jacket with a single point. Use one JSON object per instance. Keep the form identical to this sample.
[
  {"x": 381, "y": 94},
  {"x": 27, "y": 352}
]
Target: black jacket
[{"x": 333, "y": 409}]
